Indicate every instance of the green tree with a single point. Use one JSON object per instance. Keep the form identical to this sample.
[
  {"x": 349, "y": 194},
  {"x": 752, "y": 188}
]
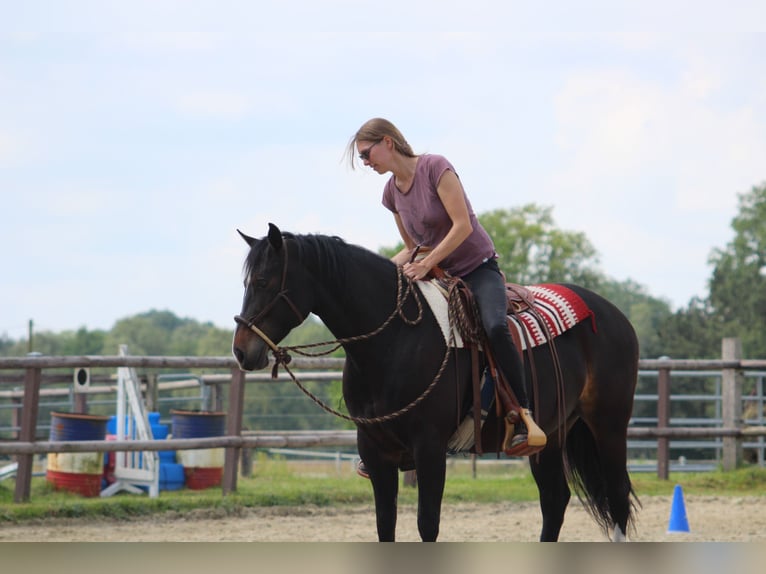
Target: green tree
[
  {"x": 145, "y": 334},
  {"x": 691, "y": 333},
  {"x": 736, "y": 303},
  {"x": 82, "y": 342},
  {"x": 532, "y": 249},
  {"x": 646, "y": 313},
  {"x": 738, "y": 284},
  {"x": 215, "y": 342},
  {"x": 185, "y": 338},
  {"x": 6, "y": 343}
]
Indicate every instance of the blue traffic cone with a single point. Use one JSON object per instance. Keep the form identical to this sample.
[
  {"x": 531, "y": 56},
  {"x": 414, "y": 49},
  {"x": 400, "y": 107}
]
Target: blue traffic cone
[{"x": 678, "y": 521}]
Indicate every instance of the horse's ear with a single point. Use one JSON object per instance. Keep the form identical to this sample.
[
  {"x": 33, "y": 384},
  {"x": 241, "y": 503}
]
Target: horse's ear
[
  {"x": 275, "y": 236},
  {"x": 249, "y": 240}
]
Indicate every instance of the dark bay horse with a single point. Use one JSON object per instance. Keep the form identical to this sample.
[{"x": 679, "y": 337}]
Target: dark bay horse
[{"x": 396, "y": 354}]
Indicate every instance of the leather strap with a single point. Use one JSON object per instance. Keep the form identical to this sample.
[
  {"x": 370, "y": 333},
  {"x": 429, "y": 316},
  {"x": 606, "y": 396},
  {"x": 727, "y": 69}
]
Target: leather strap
[{"x": 476, "y": 381}]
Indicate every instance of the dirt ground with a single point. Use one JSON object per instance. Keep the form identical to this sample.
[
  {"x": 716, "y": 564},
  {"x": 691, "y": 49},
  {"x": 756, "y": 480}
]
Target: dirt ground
[{"x": 710, "y": 519}]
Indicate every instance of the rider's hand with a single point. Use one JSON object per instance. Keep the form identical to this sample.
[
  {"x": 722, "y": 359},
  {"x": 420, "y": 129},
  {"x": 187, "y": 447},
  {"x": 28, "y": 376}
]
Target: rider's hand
[{"x": 416, "y": 270}]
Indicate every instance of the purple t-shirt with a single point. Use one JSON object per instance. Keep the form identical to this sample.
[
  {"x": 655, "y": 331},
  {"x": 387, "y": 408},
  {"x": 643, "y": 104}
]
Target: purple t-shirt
[{"x": 427, "y": 222}]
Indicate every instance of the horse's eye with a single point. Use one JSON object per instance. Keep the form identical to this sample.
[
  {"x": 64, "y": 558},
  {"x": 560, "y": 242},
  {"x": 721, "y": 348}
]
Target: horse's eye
[{"x": 257, "y": 283}]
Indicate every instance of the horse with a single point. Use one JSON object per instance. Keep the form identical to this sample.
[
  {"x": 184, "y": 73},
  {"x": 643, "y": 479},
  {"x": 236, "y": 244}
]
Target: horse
[{"x": 406, "y": 390}]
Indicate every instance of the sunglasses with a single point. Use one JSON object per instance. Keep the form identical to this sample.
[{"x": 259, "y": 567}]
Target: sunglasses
[{"x": 365, "y": 154}]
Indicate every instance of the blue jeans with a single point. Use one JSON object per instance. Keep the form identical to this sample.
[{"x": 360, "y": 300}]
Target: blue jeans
[{"x": 488, "y": 288}]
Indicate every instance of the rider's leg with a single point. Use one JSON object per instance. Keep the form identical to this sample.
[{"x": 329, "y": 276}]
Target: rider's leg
[{"x": 488, "y": 288}]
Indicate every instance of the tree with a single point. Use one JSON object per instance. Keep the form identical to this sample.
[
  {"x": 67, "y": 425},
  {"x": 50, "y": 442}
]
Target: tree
[
  {"x": 82, "y": 342},
  {"x": 144, "y": 334},
  {"x": 646, "y": 313},
  {"x": 691, "y": 333},
  {"x": 215, "y": 342},
  {"x": 187, "y": 338},
  {"x": 738, "y": 284},
  {"x": 6, "y": 343},
  {"x": 736, "y": 303},
  {"x": 533, "y": 250}
]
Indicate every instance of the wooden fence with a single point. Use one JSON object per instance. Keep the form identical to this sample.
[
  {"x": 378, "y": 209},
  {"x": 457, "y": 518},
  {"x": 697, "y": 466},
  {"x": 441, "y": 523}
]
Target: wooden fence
[{"x": 731, "y": 365}]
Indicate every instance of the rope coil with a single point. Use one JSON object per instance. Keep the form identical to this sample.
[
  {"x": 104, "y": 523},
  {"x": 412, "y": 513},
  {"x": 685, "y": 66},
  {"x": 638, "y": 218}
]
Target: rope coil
[{"x": 404, "y": 289}]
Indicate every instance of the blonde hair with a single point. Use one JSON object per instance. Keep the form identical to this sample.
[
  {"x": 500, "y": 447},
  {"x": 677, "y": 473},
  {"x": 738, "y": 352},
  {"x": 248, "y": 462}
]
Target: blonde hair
[{"x": 375, "y": 130}]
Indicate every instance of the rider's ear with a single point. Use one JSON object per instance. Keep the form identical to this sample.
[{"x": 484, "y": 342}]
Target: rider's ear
[
  {"x": 275, "y": 236},
  {"x": 250, "y": 240}
]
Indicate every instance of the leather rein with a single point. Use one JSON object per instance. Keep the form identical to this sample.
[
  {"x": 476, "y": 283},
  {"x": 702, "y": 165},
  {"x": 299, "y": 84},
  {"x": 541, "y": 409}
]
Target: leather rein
[{"x": 404, "y": 289}]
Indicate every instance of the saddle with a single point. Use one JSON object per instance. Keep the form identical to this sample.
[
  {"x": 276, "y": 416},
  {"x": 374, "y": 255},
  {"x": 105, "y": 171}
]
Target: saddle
[
  {"x": 463, "y": 315},
  {"x": 519, "y": 300}
]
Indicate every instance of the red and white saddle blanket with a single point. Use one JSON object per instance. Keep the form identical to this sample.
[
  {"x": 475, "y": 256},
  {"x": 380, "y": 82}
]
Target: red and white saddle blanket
[{"x": 560, "y": 307}]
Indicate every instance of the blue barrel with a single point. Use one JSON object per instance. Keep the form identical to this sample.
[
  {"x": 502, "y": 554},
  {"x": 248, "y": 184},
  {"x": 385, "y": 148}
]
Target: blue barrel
[
  {"x": 203, "y": 468},
  {"x": 76, "y": 426},
  {"x": 79, "y": 472},
  {"x": 198, "y": 424}
]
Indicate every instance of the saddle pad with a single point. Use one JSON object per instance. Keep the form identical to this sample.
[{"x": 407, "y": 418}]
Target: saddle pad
[
  {"x": 436, "y": 297},
  {"x": 560, "y": 307}
]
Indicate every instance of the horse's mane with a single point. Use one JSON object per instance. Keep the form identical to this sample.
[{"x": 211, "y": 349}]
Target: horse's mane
[{"x": 328, "y": 256}]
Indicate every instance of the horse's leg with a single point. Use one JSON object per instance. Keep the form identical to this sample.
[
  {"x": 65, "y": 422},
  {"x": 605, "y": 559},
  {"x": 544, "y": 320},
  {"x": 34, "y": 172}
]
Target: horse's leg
[
  {"x": 431, "y": 464},
  {"x": 385, "y": 487},
  {"x": 548, "y": 471}
]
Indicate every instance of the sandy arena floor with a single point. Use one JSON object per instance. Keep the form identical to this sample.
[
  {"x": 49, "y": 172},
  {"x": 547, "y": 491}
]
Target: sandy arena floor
[{"x": 711, "y": 519}]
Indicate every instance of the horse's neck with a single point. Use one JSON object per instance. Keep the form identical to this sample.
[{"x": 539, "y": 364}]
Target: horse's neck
[{"x": 357, "y": 307}]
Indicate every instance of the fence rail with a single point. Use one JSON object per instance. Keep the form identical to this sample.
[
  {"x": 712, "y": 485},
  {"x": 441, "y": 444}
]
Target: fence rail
[
  {"x": 31, "y": 369},
  {"x": 285, "y": 439},
  {"x": 270, "y": 440}
]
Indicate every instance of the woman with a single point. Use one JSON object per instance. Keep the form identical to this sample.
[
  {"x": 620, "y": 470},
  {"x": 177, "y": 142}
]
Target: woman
[{"x": 431, "y": 209}]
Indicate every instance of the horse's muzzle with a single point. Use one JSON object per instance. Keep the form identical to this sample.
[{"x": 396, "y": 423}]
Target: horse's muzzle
[{"x": 249, "y": 350}]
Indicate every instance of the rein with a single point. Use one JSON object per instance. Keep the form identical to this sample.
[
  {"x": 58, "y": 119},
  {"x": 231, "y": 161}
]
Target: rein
[{"x": 404, "y": 289}]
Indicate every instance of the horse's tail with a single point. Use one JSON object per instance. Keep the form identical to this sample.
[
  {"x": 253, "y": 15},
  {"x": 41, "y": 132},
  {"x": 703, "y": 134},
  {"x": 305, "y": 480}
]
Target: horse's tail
[{"x": 585, "y": 474}]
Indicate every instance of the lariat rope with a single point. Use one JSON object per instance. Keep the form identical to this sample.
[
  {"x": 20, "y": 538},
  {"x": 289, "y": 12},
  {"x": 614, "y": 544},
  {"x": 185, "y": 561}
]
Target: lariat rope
[{"x": 404, "y": 289}]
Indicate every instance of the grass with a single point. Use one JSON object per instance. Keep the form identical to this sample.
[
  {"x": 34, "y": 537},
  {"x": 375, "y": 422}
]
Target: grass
[{"x": 282, "y": 483}]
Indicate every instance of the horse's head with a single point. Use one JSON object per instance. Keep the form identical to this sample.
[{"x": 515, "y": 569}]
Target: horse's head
[{"x": 270, "y": 307}]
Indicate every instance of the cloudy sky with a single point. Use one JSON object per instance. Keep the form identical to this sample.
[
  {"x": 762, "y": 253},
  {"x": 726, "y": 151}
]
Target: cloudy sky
[{"x": 136, "y": 137}]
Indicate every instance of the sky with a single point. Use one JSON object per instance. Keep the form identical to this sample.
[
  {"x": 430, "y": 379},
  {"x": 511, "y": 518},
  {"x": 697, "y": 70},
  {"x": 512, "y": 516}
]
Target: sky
[{"x": 137, "y": 137}]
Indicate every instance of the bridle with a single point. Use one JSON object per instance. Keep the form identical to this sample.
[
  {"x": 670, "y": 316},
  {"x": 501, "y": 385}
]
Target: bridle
[
  {"x": 404, "y": 289},
  {"x": 279, "y": 354}
]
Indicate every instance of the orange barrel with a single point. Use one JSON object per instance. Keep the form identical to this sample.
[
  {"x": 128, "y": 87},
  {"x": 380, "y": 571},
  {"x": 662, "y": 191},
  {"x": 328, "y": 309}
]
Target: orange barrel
[
  {"x": 79, "y": 472},
  {"x": 203, "y": 468}
]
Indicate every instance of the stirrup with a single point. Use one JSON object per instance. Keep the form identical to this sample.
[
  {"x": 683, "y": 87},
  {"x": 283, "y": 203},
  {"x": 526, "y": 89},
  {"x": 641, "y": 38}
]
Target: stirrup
[
  {"x": 522, "y": 443},
  {"x": 535, "y": 433},
  {"x": 361, "y": 470}
]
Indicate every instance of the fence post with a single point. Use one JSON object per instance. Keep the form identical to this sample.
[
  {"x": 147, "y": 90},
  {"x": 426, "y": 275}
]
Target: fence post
[
  {"x": 233, "y": 428},
  {"x": 16, "y": 410},
  {"x": 80, "y": 403},
  {"x": 246, "y": 463},
  {"x": 29, "y": 411},
  {"x": 152, "y": 393},
  {"x": 731, "y": 402},
  {"x": 663, "y": 421}
]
